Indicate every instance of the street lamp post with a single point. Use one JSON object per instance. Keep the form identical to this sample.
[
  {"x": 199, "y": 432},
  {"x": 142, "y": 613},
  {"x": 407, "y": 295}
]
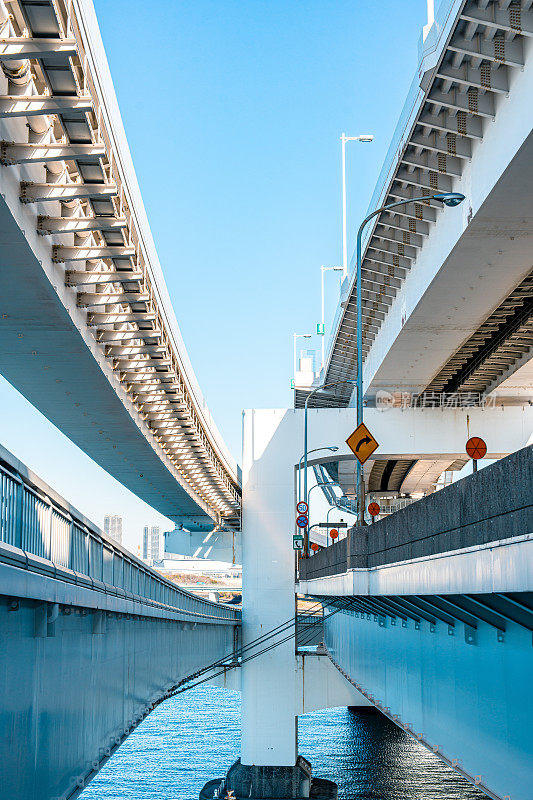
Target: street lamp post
[
  {"x": 314, "y": 450},
  {"x": 322, "y": 306},
  {"x": 320, "y": 483},
  {"x": 308, "y": 529},
  {"x": 448, "y": 199},
  {"x": 298, "y": 336},
  {"x": 330, "y": 509},
  {"x": 363, "y": 138},
  {"x": 318, "y": 389}
]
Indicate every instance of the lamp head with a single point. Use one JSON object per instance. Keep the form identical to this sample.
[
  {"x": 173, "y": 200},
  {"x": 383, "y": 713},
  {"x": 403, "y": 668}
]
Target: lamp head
[
  {"x": 333, "y": 449},
  {"x": 450, "y": 199},
  {"x": 366, "y": 137}
]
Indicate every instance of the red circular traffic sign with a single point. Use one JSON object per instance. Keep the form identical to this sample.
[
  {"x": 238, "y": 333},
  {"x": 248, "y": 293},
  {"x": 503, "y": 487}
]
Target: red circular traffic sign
[
  {"x": 302, "y": 507},
  {"x": 302, "y": 521},
  {"x": 314, "y": 547},
  {"x": 374, "y": 509},
  {"x": 476, "y": 448},
  {"x": 334, "y": 533}
]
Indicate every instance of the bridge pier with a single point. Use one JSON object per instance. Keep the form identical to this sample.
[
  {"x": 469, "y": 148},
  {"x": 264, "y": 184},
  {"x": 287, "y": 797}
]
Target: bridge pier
[
  {"x": 269, "y": 724},
  {"x": 270, "y": 766}
]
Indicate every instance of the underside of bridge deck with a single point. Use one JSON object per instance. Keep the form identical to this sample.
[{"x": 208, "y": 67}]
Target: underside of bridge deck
[
  {"x": 87, "y": 328},
  {"x": 446, "y": 296},
  {"x": 448, "y": 677}
]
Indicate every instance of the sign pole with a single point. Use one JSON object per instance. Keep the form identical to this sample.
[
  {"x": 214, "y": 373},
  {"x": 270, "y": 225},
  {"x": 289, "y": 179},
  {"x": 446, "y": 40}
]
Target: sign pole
[
  {"x": 476, "y": 447},
  {"x": 302, "y": 521},
  {"x": 359, "y": 342},
  {"x": 449, "y": 199}
]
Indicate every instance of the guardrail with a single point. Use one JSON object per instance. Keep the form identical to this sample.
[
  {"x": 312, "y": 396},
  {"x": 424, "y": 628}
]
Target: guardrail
[
  {"x": 491, "y": 505},
  {"x": 42, "y": 532},
  {"x": 309, "y": 629}
]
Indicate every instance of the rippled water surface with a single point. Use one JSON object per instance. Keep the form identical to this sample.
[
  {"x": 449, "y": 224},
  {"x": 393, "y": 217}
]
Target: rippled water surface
[{"x": 195, "y": 736}]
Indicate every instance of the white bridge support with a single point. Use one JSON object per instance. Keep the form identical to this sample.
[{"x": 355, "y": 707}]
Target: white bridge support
[
  {"x": 217, "y": 545},
  {"x": 272, "y": 447},
  {"x": 319, "y": 684},
  {"x": 269, "y": 729}
]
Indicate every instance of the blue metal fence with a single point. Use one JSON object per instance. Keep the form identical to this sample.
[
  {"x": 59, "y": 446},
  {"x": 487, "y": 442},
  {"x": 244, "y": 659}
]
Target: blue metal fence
[{"x": 35, "y": 520}]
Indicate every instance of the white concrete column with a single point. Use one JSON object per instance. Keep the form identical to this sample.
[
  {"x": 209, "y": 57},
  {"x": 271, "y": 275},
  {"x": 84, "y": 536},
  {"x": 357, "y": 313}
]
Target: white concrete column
[{"x": 271, "y": 440}]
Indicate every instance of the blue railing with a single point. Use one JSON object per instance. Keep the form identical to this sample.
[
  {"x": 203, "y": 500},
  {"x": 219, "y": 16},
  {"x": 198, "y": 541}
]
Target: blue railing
[{"x": 39, "y": 530}]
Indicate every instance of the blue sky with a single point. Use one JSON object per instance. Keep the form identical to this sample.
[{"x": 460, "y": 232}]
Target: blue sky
[{"x": 233, "y": 111}]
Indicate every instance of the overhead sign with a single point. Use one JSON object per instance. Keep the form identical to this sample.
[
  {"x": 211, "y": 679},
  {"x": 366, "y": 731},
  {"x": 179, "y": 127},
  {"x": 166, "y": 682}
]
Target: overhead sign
[
  {"x": 302, "y": 521},
  {"x": 302, "y": 507},
  {"x": 337, "y": 524},
  {"x": 297, "y": 542},
  {"x": 362, "y": 443},
  {"x": 476, "y": 448},
  {"x": 374, "y": 509}
]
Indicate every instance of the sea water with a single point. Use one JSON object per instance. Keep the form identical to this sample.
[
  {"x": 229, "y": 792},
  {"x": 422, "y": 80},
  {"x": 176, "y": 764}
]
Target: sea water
[{"x": 195, "y": 737}]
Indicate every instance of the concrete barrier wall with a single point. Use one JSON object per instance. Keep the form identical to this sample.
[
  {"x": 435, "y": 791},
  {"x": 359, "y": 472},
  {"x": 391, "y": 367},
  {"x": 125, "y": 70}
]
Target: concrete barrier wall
[{"x": 493, "y": 504}]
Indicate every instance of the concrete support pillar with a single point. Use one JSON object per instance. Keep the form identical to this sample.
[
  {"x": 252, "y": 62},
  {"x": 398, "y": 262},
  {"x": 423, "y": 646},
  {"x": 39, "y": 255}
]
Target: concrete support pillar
[{"x": 269, "y": 725}]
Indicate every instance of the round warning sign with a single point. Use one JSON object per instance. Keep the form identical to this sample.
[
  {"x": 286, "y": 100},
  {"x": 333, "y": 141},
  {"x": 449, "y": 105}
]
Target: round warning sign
[
  {"x": 334, "y": 533},
  {"x": 476, "y": 448},
  {"x": 374, "y": 509}
]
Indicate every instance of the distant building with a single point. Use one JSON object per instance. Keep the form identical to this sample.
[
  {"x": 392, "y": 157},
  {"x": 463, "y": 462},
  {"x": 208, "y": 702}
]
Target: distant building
[
  {"x": 113, "y": 527},
  {"x": 152, "y": 544}
]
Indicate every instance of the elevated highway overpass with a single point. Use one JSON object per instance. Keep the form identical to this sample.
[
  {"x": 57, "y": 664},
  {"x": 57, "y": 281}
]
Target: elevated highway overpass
[
  {"x": 422, "y": 610},
  {"x": 447, "y": 294},
  {"x": 92, "y": 640},
  {"x": 87, "y": 328},
  {"x": 90, "y": 338}
]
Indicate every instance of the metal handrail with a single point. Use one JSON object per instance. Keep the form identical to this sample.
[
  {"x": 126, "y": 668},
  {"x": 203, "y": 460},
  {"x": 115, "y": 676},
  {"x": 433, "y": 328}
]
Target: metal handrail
[{"x": 37, "y": 521}]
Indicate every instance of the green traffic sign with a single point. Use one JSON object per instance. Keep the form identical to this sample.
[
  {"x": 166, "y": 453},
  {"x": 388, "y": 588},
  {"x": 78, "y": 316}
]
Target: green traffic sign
[
  {"x": 320, "y": 328},
  {"x": 297, "y": 542}
]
